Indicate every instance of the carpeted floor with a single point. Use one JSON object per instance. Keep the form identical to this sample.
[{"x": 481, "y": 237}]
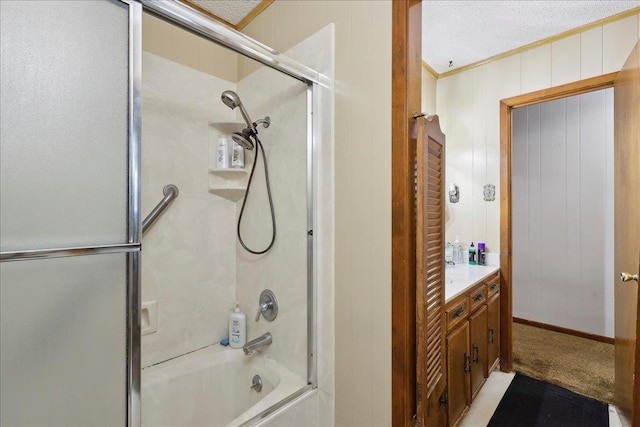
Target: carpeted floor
[{"x": 578, "y": 364}]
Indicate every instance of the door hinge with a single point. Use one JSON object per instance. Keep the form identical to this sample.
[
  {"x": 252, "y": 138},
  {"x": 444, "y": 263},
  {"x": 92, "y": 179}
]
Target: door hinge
[
  {"x": 444, "y": 397},
  {"x": 415, "y": 421}
]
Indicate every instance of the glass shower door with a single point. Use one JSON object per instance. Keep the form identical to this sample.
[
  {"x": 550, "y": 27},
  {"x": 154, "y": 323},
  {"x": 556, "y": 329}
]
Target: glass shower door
[{"x": 69, "y": 213}]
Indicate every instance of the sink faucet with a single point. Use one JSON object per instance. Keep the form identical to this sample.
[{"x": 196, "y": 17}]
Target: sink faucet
[{"x": 256, "y": 343}]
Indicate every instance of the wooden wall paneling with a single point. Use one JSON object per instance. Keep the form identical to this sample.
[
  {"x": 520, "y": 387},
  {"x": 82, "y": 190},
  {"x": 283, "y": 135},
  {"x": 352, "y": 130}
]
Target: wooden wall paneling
[
  {"x": 406, "y": 89},
  {"x": 558, "y": 194},
  {"x": 553, "y": 192},
  {"x": 506, "y": 158},
  {"x": 521, "y": 239},
  {"x": 592, "y": 181},
  {"x": 573, "y": 232},
  {"x": 535, "y": 216}
]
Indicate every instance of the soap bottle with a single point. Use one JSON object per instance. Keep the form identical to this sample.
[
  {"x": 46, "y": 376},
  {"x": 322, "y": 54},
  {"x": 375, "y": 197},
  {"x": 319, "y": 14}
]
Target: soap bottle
[
  {"x": 481, "y": 254},
  {"x": 222, "y": 159},
  {"x": 237, "y": 157},
  {"x": 456, "y": 251},
  {"x": 237, "y": 328},
  {"x": 472, "y": 255}
]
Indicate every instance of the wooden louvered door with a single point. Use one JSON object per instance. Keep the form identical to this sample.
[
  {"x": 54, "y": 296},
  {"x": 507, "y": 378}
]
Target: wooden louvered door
[{"x": 430, "y": 321}]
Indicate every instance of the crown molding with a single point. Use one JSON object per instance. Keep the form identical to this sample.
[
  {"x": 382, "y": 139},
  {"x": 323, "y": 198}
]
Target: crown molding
[
  {"x": 547, "y": 40},
  {"x": 430, "y": 70}
]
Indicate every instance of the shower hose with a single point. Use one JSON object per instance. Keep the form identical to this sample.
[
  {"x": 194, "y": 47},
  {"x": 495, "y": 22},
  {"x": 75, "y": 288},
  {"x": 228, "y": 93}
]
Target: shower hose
[{"x": 246, "y": 194}]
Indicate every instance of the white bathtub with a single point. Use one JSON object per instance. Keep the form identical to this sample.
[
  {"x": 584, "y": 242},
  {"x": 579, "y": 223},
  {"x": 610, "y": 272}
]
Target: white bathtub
[{"x": 211, "y": 387}]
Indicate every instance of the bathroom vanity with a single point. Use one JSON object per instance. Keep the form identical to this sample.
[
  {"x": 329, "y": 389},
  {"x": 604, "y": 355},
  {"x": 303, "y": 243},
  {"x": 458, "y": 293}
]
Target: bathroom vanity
[{"x": 472, "y": 310}]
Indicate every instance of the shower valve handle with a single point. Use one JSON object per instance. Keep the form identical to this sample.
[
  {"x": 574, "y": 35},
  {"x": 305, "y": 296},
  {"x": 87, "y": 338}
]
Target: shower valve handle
[
  {"x": 263, "y": 308},
  {"x": 267, "y": 306}
]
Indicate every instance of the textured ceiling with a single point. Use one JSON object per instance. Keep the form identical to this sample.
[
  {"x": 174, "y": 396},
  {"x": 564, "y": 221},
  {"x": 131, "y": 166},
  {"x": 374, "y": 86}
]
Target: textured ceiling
[
  {"x": 468, "y": 31},
  {"x": 232, "y": 11}
]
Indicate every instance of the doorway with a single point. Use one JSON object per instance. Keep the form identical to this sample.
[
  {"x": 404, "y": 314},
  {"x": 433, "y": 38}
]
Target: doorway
[
  {"x": 508, "y": 198},
  {"x": 562, "y": 193}
]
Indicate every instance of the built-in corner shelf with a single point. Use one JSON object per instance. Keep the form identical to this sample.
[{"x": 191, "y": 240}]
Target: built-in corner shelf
[
  {"x": 233, "y": 194},
  {"x": 230, "y": 172},
  {"x": 229, "y": 183}
]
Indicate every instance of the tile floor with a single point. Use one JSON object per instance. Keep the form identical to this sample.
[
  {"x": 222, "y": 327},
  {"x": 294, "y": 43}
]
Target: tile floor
[{"x": 487, "y": 401}]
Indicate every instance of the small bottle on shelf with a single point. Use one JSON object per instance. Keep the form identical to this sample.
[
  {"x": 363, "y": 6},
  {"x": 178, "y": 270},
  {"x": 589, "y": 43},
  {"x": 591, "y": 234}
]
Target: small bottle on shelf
[
  {"x": 237, "y": 158},
  {"x": 222, "y": 159}
]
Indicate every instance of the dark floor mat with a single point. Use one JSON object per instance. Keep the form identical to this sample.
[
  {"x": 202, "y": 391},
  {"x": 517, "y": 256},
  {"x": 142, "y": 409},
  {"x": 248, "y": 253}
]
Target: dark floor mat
[{"x": 532, "y": 403}]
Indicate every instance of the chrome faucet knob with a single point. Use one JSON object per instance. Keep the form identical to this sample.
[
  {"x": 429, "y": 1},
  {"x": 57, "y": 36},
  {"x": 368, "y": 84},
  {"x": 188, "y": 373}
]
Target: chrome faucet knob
[
  {"x": 267, "y": 306},
  {"x": 263, "y": 308}
]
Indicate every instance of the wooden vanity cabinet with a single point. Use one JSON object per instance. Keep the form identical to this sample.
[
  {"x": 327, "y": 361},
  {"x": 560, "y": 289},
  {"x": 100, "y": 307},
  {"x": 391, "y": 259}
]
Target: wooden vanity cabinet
[
  {"x": 493, "y": 332},
  {"x": 458, "y": 381},
  {"x": 478, "y": 334},
  {"x": 472, "y": 344}
]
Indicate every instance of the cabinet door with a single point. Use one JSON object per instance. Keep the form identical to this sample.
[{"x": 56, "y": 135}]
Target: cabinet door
[
  {"x": 478, "y": 334},
  {"x": 493, "y": 331},
  {"x": 458, "y": 358}
]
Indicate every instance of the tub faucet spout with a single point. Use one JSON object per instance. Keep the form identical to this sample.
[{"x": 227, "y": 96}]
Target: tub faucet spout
[{"x": 256, "y": 343}]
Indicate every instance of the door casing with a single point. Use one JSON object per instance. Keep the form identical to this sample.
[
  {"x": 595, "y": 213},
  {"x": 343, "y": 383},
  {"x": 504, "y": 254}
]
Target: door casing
[{"x": 506, "y": 144}]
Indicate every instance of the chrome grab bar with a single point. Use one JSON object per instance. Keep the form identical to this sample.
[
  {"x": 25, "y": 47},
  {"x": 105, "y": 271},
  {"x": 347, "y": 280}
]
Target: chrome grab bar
[{"x": 170, "y": 192}]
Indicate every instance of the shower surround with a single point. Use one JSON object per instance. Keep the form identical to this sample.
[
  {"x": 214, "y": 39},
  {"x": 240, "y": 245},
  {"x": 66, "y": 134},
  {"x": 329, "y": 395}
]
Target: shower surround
[{"x": 192, "y": 264}]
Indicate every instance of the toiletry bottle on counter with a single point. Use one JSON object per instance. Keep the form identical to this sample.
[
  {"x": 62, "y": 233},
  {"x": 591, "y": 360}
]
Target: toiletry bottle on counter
[
  {"x": 222, "y": 159},
  {"x": 448, "y": 254},
  {"x": 472, "y": 255},
  {"x": 237, "y": 157},
  {"x": 456, "y": 251},
  {"x": 237, "y": 328},
  {"x": 462, "y": 253},
  {"x": 481, "y": 254}
]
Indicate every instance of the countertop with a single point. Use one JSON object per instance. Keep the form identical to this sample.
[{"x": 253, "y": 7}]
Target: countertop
[{"x": 459, "y": 278}]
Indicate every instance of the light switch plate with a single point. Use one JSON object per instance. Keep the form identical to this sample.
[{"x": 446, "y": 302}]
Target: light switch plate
[{"x": 149, "y": 317}]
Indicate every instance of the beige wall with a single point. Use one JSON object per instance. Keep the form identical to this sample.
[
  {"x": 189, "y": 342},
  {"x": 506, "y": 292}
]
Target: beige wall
[
  {"x": 468, "y": 106},
  {"x": 429, "y": 84},
  {"x": 362, "y": 188},
  {"x": 168, "y": 41}
]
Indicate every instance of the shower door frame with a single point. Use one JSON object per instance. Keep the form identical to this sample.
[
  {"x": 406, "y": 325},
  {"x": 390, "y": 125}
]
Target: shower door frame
[
  {"x": 194, "y": 21},
  {"x": 132, "y": 247}
]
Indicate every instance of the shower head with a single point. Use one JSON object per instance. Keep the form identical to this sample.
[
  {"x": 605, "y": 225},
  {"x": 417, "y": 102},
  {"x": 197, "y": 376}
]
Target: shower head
[
  {"x": 232, "y": 100},
  {"x": 243, "y": 138}
]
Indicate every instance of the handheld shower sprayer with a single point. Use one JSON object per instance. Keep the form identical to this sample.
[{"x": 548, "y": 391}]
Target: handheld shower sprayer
[
  {"x": 232, "y": 100},
  {"x": 248, "y": 139},
  {"x": 244, "y": 138}
]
